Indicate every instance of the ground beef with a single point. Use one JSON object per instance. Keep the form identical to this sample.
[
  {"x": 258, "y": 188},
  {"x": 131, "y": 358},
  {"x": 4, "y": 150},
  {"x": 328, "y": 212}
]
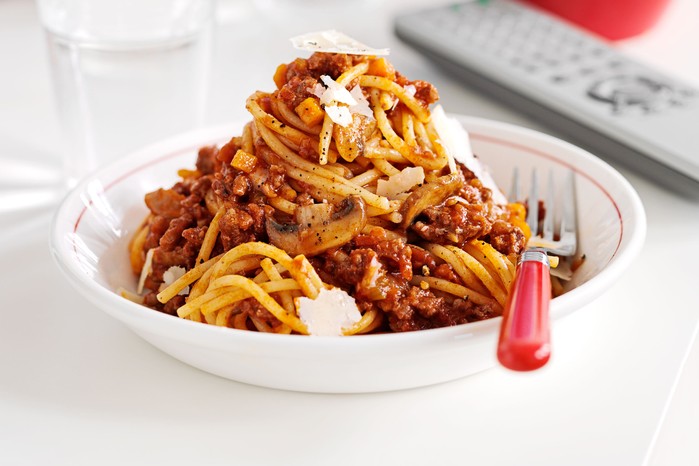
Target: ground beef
[
  {"x": 468, "y": 311},
  {"x": 453, "y": 224},
  {"x": 194, "y": 237},
  {"x": 175, "y": 303},
  {"x": 507, "y": 238},
  {"x": 233, "y": 185},
  {"x": 342, "y": 269},
  {"x": 250, "y": 307},
  {"x": 331, "y": 64},
  {"x": 173, "y": 234},
  {"x": 423, "y": 309},
  {"x": 206, "y": 160},
  {"x": 420, "y": 259},
  {"x": 469, "y": 214},
  {"x": 426, "y": 264},
  {"x": 151, "y": 300},
  {"x": 426, "y": 93},
  {"x": 394, "y": 252},
  {"x": 473, "y": 191},
  {"x": 419, "y": 309},
  {"x": 170, "y": 307},
  {"x": 197, "y": 191},
  {"x": 302, "y": 75},
  {"x": 296, "y": 90},
  {"x": 158, "y": 227},
  {"x": 243, "y": 223},
  {"x": 241, "y": 185},
  {"x": 445, "y": 272},
  {"x": 319, "y": 64},
  {"x": 165, "y": 203},
  {"x": 224, "y": 184},
  {"x": 276, "y": 177},
  {"x": 236, "y": 228},
  {"x": 227, "y": 152},
  {"x": 459, "y": 223}
]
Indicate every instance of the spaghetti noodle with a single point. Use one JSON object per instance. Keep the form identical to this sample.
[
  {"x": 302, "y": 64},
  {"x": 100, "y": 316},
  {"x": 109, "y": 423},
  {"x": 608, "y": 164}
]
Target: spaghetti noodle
[{"x": 340, "y": 182}]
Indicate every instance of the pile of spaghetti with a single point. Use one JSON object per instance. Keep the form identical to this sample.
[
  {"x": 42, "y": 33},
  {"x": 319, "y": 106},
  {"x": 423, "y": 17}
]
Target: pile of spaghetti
[{"x": 341, "y": 192}]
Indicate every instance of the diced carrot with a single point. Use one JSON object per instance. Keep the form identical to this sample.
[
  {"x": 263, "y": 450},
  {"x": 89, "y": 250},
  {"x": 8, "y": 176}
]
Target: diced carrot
[
  {"x": 244, "y": 161},
  {"x": 382, "y": 67},
  {"x": 185, "y": 173},
  {"x": 280, "y": 76},
  {"x": 310, "y": 111},
  {"x": 518, "y": 216}
]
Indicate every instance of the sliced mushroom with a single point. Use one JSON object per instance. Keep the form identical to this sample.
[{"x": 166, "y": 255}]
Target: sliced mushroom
[
  {"x": 314, "y": 213},
  {"x": 321, "y": 232},
  {"x": 429, "y": 194}
]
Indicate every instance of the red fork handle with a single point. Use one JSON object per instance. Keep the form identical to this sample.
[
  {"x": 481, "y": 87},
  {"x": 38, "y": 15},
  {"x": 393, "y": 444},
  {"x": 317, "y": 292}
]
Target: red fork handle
[{"x": 525, "y": 341}]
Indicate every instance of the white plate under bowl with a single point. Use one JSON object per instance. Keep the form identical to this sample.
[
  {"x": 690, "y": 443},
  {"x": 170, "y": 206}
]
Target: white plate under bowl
[{"x": 92, "y": 227}]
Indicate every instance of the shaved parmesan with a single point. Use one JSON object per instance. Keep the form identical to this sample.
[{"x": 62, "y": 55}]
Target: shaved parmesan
[
  {"x": 332, "y": 41},
  {"x": 339, "y": 114},
  {"x": 457, "y": 143},
  {"x": 327, "y": 315},
  {"x": 362, "y": 106},
  {"x": 335, "y": 92},
  {"x": 317, "y": 90},
  {"x": 171, "y": 275},
  {"x": 145, "y": 271},
  {"x": 400, "y": 183}
]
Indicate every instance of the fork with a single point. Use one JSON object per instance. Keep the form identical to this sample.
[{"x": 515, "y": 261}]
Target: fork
[{"x": 525, "y": 343}]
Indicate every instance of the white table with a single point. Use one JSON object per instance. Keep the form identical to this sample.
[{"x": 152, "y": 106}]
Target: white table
[{"x": 78, "y": 388}]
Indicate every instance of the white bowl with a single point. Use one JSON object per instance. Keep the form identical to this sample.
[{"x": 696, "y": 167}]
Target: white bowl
[{"x": 92, "y": 227}]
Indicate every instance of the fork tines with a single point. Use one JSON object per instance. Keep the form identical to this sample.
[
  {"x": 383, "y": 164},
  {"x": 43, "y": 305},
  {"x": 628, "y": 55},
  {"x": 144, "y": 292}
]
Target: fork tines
[{"x": 563, "y": 206}]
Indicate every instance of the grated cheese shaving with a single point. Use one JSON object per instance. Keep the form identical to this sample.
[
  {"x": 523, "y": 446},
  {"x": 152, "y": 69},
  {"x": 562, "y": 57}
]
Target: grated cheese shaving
[
  {"x": 362, "y": 107},
  {"x": 339, "y": 114},
  {"x": 145, "y": 271},
  {"x": 171, "y": 275},
  {"x": 317, "y": 90},
  {"x": 400, "y": 183},
  {"x": 327, "y": 315},
  {"x": 457, "y": 143},
  {"x": 332, "y": 41},
  {"x": 335, "y": 92}
]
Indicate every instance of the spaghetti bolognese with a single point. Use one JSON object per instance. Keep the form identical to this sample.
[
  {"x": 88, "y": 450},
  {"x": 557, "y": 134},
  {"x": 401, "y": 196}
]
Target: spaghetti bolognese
[{"x": 343, "y": 191}]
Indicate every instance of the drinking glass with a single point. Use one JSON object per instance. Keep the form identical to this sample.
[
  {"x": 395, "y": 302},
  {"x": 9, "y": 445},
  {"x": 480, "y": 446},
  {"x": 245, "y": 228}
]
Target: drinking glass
[{"x": 126, "y": 73}]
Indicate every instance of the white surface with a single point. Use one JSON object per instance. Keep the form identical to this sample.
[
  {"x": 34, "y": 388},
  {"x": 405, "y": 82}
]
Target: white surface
[
  {"x": 95, "y": 222},
  {"x": 76, "y": 387}
]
